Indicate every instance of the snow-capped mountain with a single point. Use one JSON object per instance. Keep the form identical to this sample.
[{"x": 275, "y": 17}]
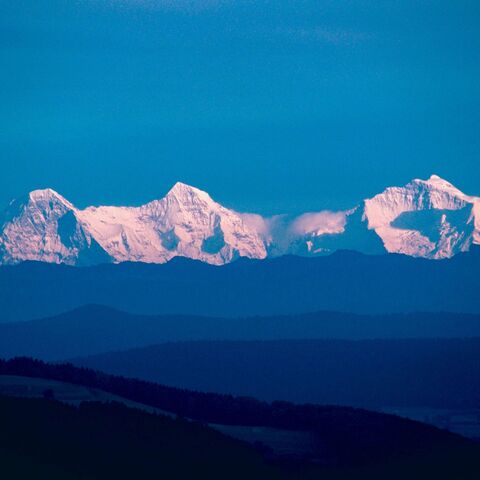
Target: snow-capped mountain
[
  {"x": 186, "y": 222},
  {"x": 425, "y": 218},
  {"x": 44, "y": 226}
]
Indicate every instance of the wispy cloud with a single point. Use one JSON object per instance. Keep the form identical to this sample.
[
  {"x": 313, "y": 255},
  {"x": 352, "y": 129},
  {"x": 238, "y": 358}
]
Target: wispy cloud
[
  {"x": 267, "y": 227},
  {"x": 319, "y": 223},
  {"x": 282, "y": 229}
]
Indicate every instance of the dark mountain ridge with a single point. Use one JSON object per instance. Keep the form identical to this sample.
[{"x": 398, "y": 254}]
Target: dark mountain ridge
[{"x": 344, "y": 281}]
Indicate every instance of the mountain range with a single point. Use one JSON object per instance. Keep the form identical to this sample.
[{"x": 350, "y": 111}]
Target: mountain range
[
  {"x": 425, "y": 218},
  {"x": 344, "y": 281}
]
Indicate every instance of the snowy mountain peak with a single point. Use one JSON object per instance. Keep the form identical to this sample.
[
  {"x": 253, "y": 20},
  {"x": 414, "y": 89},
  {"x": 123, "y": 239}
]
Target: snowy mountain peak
[
  {"x": 434, "y": 181},
  {"x": 434, "y": 193},
  {"x": 438, "y": 180},
  {"x": 43, "y": 226},
  {"x": 185, "y": 222},
  {"x": 48, "y": 195},
  {"x": 186, "y": 194},
  {"x": 180, "y": 187},
  {"x": 43, "y": 193},
  {"x": 438, "y": 183},
  {"x": 429, "y": 218}
]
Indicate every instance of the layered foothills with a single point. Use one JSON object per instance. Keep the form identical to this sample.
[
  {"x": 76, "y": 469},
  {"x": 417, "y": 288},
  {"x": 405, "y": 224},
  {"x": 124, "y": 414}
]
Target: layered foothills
[{"x": 425, "y": 218}]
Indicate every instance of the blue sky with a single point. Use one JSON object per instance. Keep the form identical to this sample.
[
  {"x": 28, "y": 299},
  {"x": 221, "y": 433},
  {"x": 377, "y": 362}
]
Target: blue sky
[{"x": 270, "y": 105}]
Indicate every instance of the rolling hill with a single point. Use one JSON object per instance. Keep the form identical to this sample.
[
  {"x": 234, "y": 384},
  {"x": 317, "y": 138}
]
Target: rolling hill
[
  {"x": 95, "y": 329},
  {"x": 431, "y": 373}
]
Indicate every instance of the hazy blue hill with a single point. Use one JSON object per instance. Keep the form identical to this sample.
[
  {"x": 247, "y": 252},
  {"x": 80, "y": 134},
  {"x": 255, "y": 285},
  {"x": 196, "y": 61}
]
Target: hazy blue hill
[
  {"x": 95, "y": 329},
  {"x": 344, "y": 281},
  {"x": 434, "y": 373}
]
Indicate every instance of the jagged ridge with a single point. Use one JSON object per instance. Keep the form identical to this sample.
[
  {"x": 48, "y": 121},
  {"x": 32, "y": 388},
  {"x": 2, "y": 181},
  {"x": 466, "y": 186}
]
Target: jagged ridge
[{"x": 425, "y": 218}]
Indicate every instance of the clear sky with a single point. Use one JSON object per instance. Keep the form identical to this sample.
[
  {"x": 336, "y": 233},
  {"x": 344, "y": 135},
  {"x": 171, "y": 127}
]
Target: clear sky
[{"x": 270, "y": 105}]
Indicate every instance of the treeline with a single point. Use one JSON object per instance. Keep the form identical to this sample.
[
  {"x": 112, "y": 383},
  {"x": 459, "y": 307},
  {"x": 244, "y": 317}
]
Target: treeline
[
  {"x": 348, "y": 434},
  {"x": 46, "y": 439}
]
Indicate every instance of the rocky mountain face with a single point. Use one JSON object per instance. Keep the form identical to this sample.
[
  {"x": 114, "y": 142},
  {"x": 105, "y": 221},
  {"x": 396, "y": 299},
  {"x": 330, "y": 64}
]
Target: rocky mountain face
[
  {"x": 431, "y": 218},
  {"x": 425, "y": 218},
  {"x": 44, "y": 226},
  {"x": 186, "y": 222}
]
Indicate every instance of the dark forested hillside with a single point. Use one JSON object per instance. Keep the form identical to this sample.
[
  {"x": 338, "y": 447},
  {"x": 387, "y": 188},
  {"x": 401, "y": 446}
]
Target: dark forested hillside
[
  {"x": 346, "y": 435},
  {"x": 110, "y": 440},
  {"x": 343, "y": 281},
  {"x": 44, "y": 439}
]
